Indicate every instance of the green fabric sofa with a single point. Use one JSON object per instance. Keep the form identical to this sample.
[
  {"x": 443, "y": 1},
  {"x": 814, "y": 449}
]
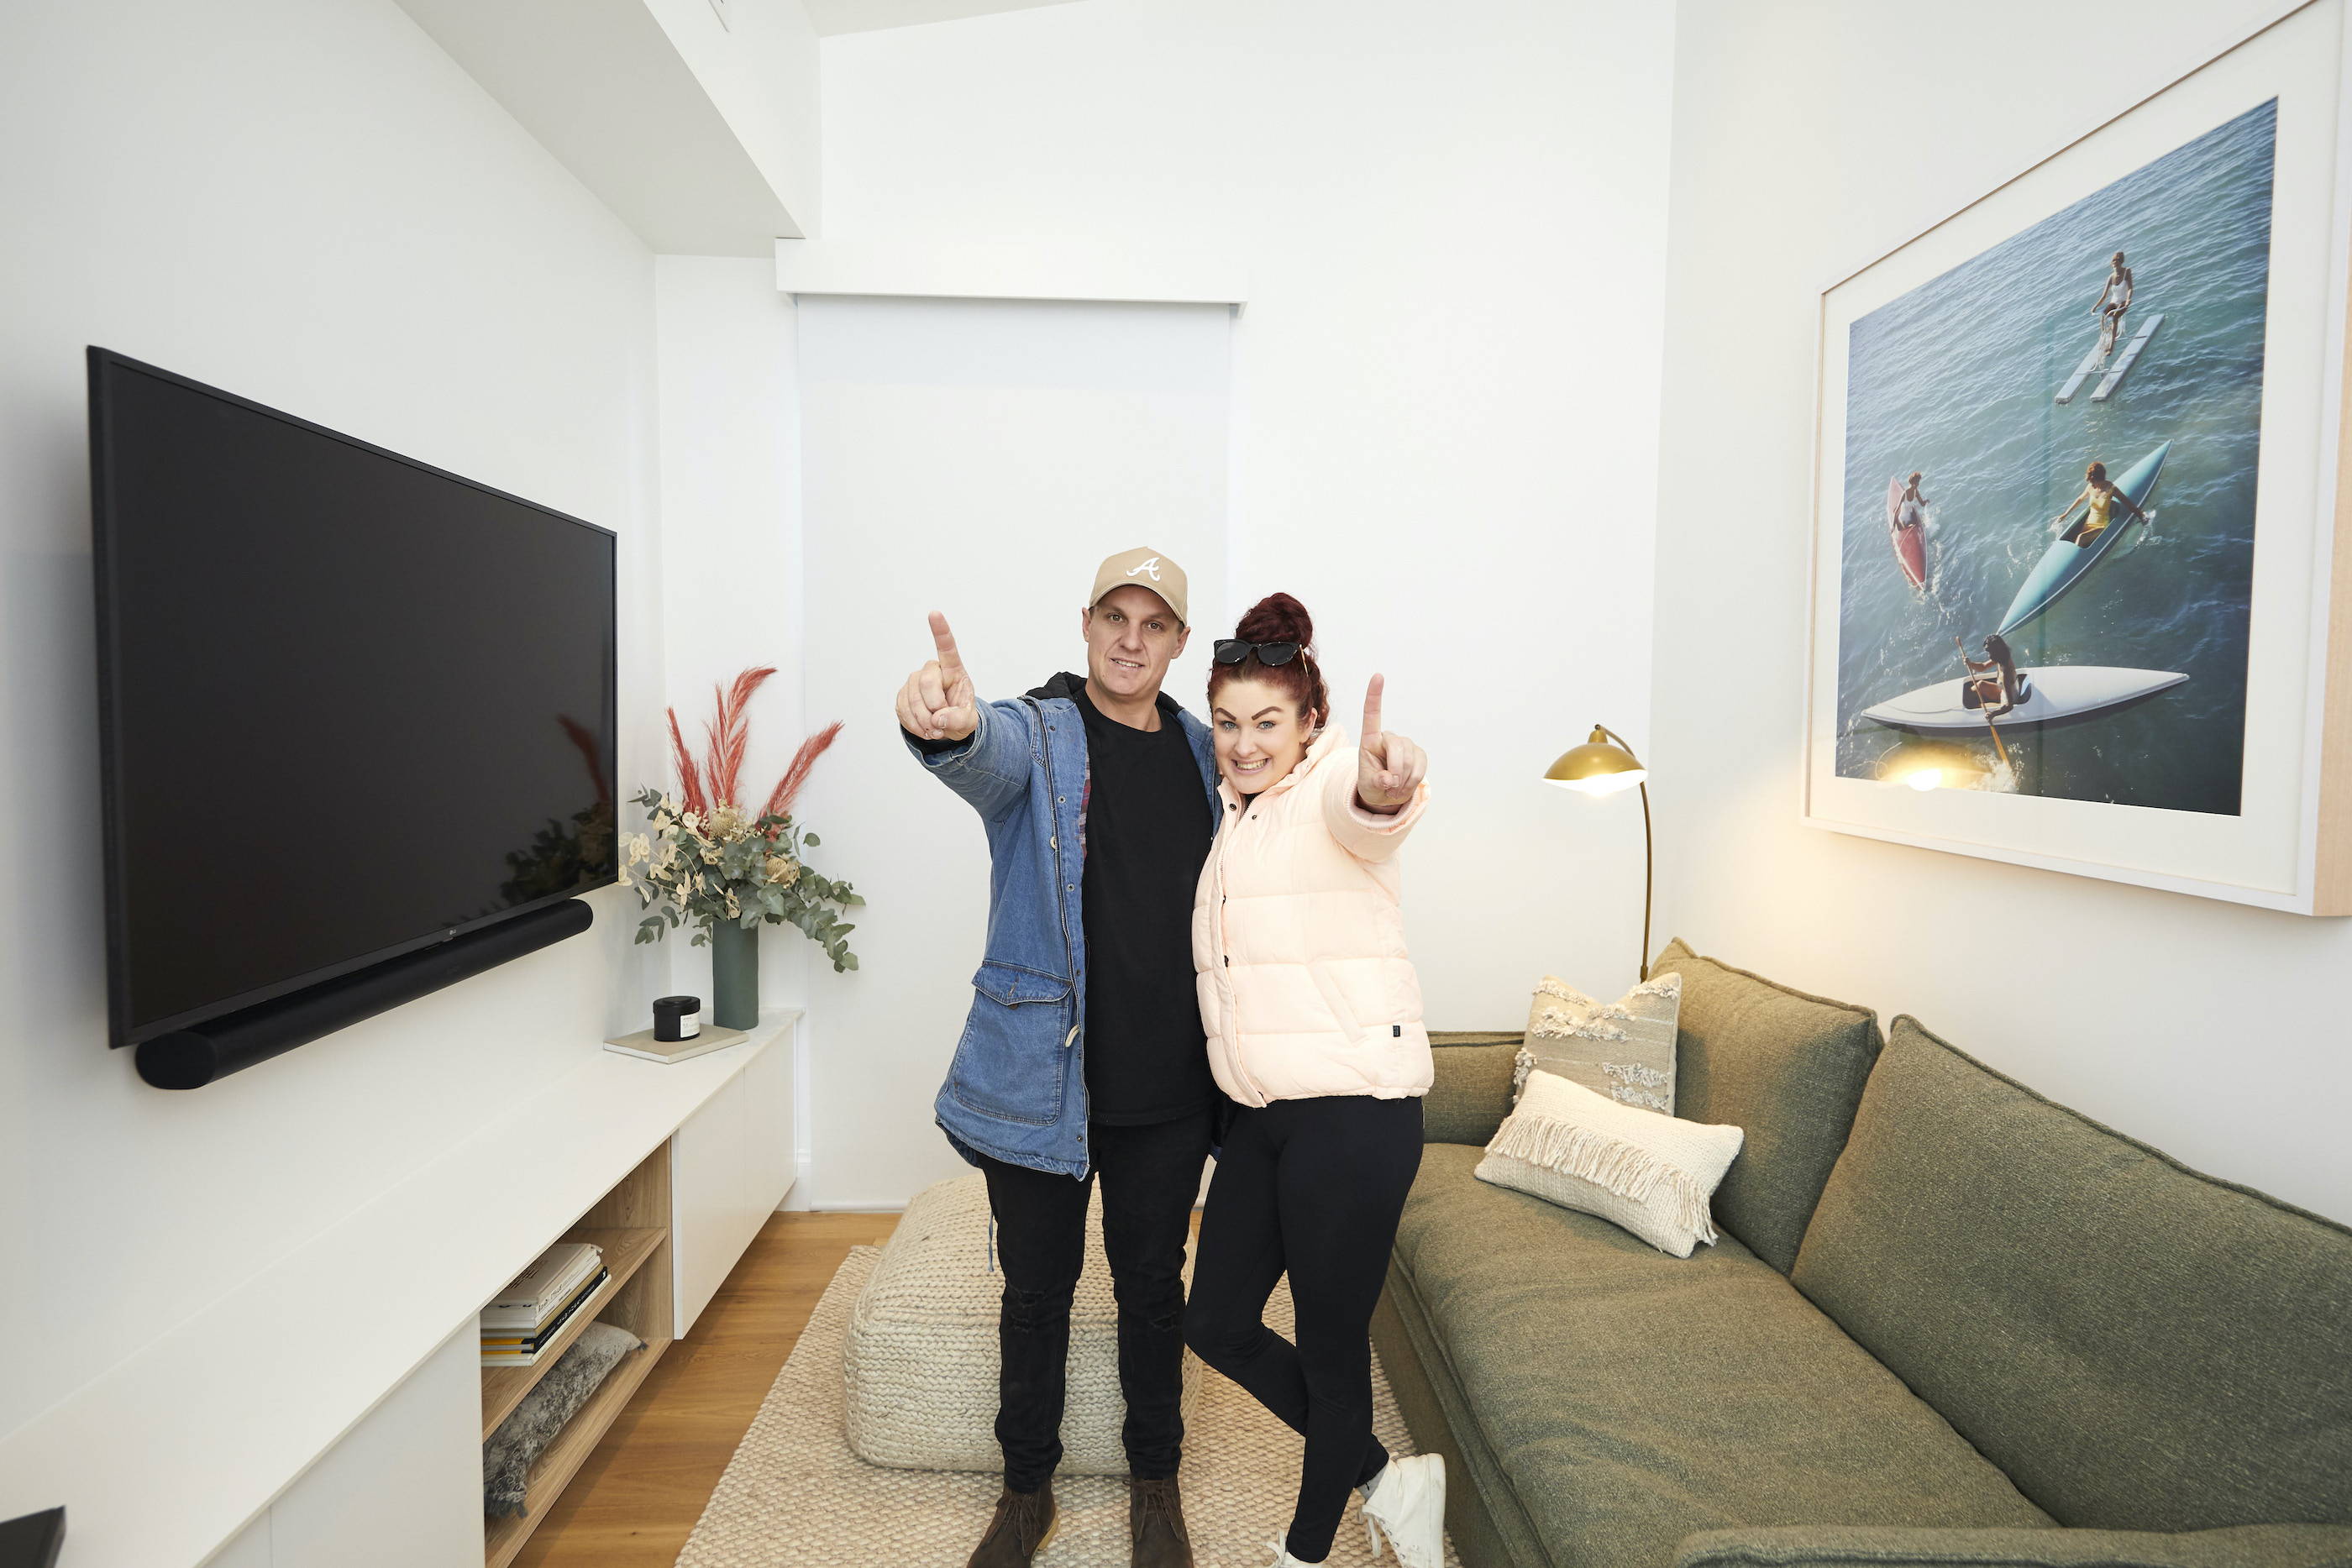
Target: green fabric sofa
[{"x": 1949, "y": 1323}]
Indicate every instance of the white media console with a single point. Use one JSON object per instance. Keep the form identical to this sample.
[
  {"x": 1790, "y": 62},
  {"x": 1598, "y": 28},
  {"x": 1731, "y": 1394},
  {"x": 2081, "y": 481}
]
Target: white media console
[{"x": 265, "y": 1433}]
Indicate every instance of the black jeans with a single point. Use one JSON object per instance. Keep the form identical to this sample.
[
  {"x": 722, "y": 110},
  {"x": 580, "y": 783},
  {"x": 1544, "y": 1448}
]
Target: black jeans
[
  {"x": 1314, "y": 1186},
  {"x": 1149, "y": 1176}
]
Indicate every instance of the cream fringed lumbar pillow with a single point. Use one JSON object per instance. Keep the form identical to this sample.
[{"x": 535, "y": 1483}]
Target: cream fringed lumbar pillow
[
  {"x": 1648, "y": 1174},
  {"x": 1623, "y": 1049}
]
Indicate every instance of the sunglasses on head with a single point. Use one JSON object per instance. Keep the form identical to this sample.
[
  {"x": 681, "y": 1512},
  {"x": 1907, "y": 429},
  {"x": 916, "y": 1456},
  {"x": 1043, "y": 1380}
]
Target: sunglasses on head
[{"x": 1233, "y": 650}]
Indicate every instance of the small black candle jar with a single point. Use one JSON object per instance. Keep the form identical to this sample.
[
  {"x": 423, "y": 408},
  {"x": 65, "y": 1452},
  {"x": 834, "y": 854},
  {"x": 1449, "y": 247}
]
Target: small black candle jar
[{"x": 676, "y": 1017}]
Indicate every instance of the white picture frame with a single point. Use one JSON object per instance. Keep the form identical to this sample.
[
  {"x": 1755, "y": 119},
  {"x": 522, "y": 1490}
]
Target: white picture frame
[{"x": 2288, "y": 844}]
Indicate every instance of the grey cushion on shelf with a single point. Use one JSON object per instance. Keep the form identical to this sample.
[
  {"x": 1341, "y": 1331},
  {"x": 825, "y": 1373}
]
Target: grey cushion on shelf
[
  {"x": 509, "y": 1452},
  {"x": 2137, "y": 1345},
  {"x": 1786, "y": 1068},
  {"x": 1841, "y": 1545},
  {"x": 1472, "y": 1091}
]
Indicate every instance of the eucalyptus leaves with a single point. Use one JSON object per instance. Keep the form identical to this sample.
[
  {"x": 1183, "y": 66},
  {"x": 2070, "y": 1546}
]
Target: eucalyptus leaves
[
  {"x": 708, "y": 861},
  {"x": 724, "y": 866}
]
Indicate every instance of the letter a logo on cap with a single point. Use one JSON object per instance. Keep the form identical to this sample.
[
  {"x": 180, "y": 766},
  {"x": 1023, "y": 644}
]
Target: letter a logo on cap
[{"x": 1139, "y": 567}]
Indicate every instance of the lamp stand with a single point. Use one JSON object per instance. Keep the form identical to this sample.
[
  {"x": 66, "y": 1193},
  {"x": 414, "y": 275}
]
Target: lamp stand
[
  {"x": 1604, "y": 765},
  {"x": 1649, "y": 864}
]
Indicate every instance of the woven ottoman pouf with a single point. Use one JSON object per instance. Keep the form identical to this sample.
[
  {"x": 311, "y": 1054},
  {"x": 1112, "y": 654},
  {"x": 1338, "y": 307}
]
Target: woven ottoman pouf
[{"x": 922, "y": 1359}]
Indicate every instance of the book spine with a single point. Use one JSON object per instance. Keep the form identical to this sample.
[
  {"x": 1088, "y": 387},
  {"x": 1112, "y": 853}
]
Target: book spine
[
  {"x": 515, "y": 1311},
  {"x": 533, "y": 1339},
  {"x": 532, "y": 1291}
]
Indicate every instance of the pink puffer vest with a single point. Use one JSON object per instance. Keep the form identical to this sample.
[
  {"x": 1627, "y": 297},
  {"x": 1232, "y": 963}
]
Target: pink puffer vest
[{"x": 1306, "y": 989}]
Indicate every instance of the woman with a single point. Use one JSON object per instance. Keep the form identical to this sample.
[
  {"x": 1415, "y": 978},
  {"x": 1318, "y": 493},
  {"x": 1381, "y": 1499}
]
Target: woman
[
  {"x": 2115, "y": 299},
  {"x": 2104, "y": 497},
  {"x": 1313, "y": 1017},
  {"x": 1995, "y": 678},
  {"x": 1911, "y": 512}
]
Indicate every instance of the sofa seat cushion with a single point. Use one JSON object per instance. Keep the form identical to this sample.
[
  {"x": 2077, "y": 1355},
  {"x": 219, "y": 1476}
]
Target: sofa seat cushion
[
  {"x": 2139, "y": 1345},
  {"x": 1847, "y": 1546},
  {"x": 1631, "y": 1398}
]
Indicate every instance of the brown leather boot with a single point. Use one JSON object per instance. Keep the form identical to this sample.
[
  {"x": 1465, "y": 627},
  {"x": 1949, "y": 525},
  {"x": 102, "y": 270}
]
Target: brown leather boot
[
  {"x": 1023, "y": 1523},
  {"x": 1155, "y": 1525}
]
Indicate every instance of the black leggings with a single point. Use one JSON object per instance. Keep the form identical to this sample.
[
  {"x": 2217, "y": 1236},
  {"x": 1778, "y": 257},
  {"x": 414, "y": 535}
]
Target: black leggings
[{"x": 1314, "y": 1186}]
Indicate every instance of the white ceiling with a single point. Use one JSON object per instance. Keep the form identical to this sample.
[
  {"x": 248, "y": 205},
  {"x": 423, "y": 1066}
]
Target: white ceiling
[{"x": 866, "y": 16}]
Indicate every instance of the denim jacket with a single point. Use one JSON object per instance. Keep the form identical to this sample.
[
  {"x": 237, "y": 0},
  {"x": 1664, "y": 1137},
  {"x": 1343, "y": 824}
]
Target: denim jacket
[{"x": 1017, "y": 1090}]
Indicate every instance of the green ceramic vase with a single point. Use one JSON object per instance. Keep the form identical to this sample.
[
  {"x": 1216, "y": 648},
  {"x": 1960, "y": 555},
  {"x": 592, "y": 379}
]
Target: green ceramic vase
[{"x": 735, "y": 975}]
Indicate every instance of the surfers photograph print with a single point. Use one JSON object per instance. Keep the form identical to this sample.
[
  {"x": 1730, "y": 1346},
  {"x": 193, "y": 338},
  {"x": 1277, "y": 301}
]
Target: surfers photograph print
[
  {"x": 2051, "y": 468},
  {"x": 2078, "y": 510}
]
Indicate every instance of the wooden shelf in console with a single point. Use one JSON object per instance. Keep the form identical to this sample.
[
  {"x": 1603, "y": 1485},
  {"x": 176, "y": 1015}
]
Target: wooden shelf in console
[
  {"x": 563, "y": 1458},
  {"x": 631, "y": 1223},
  {"x": 625, "y": 1252}
]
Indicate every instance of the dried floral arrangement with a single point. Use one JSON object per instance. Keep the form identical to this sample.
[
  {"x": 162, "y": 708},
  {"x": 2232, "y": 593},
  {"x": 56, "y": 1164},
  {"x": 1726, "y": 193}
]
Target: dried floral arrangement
[{"x": 708, "y": 858}]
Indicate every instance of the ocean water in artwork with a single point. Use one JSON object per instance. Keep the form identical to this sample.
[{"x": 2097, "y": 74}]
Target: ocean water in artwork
[{"x": 1958, "y": 380}]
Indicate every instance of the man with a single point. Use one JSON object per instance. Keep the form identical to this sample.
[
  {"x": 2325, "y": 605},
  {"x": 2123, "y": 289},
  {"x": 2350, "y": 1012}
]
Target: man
[{"x": 1083, "y": 1054}]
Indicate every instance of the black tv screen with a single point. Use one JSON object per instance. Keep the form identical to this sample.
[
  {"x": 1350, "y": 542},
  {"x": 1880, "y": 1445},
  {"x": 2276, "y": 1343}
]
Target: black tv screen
[{"x": 350, "y": 704}]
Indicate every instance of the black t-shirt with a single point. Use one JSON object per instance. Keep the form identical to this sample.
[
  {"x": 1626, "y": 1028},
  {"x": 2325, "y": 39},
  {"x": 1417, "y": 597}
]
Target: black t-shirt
[{"x": 1146, "y": 833}]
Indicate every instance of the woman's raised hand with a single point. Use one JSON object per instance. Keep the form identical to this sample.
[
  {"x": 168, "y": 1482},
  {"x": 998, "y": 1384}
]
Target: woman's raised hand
[
  {"x": 937, "y": 703},
  {"x": 1389, "y": 767}
]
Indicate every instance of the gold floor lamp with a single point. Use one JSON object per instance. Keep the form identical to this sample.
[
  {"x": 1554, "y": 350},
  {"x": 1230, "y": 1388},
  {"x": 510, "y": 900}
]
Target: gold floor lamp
[{"x": 1604, "y": 765}]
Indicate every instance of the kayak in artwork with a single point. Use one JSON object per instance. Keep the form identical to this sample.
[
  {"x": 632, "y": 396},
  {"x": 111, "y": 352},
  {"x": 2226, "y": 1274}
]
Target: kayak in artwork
[
  {"x": 1909, "y": 539},
  {"x": 2052, "y": 691},
  {"x": 2070, "y": 556}
]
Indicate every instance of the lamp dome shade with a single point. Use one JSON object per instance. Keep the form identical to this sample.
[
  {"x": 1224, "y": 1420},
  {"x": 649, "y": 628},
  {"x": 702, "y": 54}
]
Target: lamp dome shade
[{"x": 1598, "y": 767}]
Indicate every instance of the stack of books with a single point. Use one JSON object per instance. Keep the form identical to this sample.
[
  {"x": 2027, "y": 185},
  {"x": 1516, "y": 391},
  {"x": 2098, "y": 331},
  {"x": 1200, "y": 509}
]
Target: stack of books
[{"x": 535, "y": 1308}]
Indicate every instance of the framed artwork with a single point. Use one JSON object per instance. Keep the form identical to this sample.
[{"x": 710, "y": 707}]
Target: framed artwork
[{"x": 2077, "y": 509}]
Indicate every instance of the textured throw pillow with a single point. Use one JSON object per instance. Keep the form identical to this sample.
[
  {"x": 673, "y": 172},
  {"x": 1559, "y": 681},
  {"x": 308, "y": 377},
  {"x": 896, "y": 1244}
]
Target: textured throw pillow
[
  {"x": 509, "y": 1452},
  {"x": 1644, "y": 1173},
  {"x": 1623, "y": 1049}
]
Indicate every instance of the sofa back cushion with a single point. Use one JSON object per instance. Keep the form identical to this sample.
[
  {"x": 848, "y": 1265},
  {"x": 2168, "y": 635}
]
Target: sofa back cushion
[
  {"x": 1786, "y": 1069},
  {"x": 2136, "y": 1345},
  {"x": 1471, "y": 1091}
]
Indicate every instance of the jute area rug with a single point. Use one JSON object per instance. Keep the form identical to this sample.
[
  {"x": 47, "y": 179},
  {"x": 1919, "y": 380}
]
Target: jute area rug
[{"x": 795, "y": 1497}]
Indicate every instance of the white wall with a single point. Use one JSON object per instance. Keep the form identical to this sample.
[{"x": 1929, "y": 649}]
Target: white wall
[
  {"x": 305, "y": 202},
  {"x": 730, "y": 512},
  {"x": 978, "y": 458},
  {"x": 1445, "y": 382},
  {"x": 2214, "y": 1031}
]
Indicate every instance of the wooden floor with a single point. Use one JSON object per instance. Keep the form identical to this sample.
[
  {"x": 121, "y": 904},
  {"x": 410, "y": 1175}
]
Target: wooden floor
[{"x": 637, "y": 1500}]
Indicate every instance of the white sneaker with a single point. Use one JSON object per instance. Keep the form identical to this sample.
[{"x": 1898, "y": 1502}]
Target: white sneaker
[
  {"x": 1282, "y": 1557},
  {"x": 1408, "y": 1506}
]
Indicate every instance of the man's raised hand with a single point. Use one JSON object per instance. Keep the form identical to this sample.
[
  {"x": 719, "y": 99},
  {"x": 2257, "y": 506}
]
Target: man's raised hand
[
  {"x": 1389, "y": 767},
  {"x": 937, "y": 703}
]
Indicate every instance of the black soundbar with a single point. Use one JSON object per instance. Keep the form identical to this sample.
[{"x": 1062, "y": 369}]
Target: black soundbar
[{"x": 192, "y": 1058}]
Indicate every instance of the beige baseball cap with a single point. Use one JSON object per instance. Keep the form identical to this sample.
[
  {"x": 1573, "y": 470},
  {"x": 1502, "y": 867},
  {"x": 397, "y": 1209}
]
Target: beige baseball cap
[{"x": 1145, "y": 567}]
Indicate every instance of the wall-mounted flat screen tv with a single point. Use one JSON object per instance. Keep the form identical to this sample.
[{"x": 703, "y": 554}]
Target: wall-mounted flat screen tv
[{"x": 350, "y": 705}]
